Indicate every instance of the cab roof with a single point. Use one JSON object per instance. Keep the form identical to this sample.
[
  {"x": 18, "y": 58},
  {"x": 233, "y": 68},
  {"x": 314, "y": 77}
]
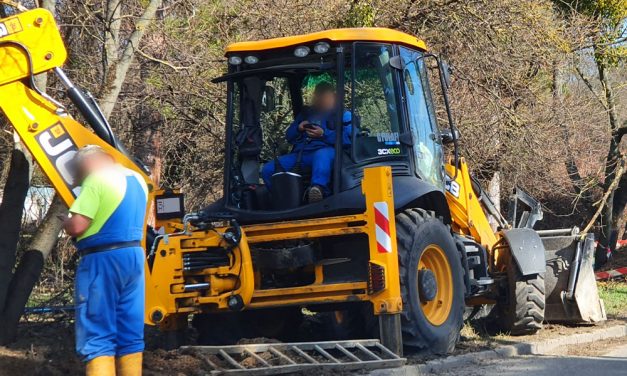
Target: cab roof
[{"x": 366, "y": 34}]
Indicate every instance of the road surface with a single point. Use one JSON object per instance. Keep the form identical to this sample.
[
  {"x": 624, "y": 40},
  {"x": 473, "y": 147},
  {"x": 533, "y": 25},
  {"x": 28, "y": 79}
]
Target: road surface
[{"x": 598, "y": 359}]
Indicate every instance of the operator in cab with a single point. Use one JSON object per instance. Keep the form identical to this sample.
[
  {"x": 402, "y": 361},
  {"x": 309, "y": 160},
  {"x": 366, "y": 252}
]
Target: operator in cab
[
  {"x": 107, "y": 221},
  {"x": 312, "y": 134}
]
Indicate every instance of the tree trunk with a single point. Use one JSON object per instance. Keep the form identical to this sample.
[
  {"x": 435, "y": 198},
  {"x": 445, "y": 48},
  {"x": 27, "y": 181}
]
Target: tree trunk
[
  {"x": 11, "y": 209},
  {"x": 124, "y": 62},
  {"x": 494, "y": 193},
  {"x": 570, "y": 163},
  {"x": 618, "y": 210},
  {"x": 30, "y": 268},
  {"x": 609, "y": 221}
]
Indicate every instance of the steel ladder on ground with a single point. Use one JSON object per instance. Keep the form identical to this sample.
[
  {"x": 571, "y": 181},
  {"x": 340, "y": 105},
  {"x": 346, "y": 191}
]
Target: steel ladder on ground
[{"x": 280, "y": 358}]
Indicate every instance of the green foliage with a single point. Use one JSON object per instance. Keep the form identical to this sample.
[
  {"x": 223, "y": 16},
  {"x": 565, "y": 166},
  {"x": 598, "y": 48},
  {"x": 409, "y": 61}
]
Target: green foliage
[
  {"x": 610, "y": 17},
  {"x": 360, "y": 14},
  {"x": 614, "y": 295},
  {"x": 612, "y": 12}
]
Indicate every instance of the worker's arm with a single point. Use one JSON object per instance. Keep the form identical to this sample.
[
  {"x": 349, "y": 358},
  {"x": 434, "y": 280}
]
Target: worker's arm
[
  {"x": 84, "y": 208},
  {"x": 76, "y": 225},
  {"x": 329, "y": 134},
  {"x": 294, "y": 131}
]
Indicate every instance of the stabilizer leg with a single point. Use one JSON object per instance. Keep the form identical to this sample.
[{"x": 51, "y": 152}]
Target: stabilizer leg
[{"x": 390, "y": 332}]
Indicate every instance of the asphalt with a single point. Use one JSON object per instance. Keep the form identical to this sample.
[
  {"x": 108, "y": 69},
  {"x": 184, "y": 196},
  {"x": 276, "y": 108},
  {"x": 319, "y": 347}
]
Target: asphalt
[
  {"x": 612, "y": 361},
  {"x": 600, "y": 352},
  {"x": 611, "y": 364}
]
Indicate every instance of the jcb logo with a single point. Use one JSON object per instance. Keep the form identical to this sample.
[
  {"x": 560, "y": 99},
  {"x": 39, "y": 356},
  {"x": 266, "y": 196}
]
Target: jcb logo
[
  {"x": 390, "y": 151},
  {"x": 60, "y": 150},
  {"x": 452, "y": 186}
]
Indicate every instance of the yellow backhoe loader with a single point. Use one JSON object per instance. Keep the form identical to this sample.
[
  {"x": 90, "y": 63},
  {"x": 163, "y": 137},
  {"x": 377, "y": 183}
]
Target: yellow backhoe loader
[{"x": 403, "y": 234}]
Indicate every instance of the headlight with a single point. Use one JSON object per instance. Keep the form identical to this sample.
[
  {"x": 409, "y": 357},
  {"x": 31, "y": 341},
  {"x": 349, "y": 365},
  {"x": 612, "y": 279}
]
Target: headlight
[
  {"x": 301, "y": 51},
  {"x": 250, "y": 59},
  {"x": 235, "y": 60},
  {"x": 321, "y": 47}
]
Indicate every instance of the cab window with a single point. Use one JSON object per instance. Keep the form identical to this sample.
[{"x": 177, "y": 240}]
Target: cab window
[
  {"x": 427, "y": 149},
  {"x": 377, "y": 133}
]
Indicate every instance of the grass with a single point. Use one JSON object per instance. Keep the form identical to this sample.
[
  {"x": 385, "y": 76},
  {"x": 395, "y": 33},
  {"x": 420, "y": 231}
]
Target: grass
[{"x": 614, "y": 295}]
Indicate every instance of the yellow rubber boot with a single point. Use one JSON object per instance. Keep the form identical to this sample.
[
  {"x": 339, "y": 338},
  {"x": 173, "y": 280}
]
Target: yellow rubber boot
[
  {"x": 101, "y": 366},
  {"x": 129, "y": 365}
]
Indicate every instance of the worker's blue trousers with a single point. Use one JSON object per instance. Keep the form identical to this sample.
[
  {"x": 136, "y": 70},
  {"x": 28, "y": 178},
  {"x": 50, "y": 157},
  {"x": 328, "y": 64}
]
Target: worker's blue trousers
[
  {"x": 320, "y": 161},
  {"x": 110, "y": 303}
]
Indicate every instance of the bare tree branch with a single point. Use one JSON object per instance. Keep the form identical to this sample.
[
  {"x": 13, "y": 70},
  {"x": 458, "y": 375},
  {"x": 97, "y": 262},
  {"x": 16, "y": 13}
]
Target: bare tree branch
[{"x": 126, "y": 59}]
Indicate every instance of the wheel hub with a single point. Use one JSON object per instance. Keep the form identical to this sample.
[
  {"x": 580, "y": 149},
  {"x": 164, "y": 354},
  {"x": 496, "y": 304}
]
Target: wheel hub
[
  {"x": 435, "y": 284},
  {"x": 427, "y": 285}
]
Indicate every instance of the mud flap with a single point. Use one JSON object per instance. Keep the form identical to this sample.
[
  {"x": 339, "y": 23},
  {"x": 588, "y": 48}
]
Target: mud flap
[
  {"x": 527, "y": 250},
  {"x": 571, "y": 289}
]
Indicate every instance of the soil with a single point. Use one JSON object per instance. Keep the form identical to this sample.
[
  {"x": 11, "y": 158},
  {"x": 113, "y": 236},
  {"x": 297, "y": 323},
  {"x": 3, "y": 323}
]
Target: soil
[
  {"x": 593, "y": 348},
  {"x": 475, "y": 338},
  {"x": 47, "y": 348}
]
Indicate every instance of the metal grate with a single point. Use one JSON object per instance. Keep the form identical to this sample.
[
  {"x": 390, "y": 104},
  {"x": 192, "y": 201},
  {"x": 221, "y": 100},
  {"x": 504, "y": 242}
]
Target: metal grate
[{"x": 280, "y": 358}]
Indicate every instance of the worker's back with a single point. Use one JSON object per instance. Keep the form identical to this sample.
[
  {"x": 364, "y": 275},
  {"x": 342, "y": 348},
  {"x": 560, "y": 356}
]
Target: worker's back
[{"x": 114, "y": 198}]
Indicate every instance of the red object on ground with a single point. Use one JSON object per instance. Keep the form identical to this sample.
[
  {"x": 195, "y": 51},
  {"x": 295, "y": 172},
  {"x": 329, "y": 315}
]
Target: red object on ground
[{"x": 608, "y": 274}]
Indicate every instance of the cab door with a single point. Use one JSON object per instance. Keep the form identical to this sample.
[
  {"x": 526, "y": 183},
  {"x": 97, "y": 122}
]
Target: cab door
[{"x": 427, "y": 147}]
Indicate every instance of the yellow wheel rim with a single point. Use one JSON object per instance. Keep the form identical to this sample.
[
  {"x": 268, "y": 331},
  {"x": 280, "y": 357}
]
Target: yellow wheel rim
[{"x": 434, "y": 259}]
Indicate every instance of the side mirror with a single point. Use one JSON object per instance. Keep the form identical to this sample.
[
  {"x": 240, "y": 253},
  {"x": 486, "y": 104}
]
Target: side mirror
[
  {"x": 268, "y": 99},
  {"x": 396, "y": 62},
  {"x": 447, "y": 136},
  {"x": 446, "y": 72}
]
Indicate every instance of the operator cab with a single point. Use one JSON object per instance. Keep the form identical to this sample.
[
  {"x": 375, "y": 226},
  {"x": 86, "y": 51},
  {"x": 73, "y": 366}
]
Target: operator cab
[{"x": 384, "y": 115}]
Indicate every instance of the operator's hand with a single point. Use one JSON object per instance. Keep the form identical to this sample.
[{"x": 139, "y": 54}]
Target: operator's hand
[
  {"x": 301, "y": 126},
  {"x": 314, "y": 132}
]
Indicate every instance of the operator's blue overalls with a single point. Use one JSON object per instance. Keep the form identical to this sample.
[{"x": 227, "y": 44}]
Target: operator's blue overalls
[
  {"x": 317, "y": 153},
  {"x": 110, "y": 275}
]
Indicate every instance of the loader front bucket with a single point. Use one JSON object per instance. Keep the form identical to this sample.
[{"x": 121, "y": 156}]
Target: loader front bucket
[{"x": 571, "y": 289}]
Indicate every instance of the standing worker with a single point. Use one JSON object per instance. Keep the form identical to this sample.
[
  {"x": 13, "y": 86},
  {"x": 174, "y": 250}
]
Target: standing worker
[{"x": 107, "y": 220}]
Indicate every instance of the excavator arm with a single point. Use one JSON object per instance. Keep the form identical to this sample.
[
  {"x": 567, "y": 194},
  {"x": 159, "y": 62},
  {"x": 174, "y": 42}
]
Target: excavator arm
[{"x": 30, "y": 43}]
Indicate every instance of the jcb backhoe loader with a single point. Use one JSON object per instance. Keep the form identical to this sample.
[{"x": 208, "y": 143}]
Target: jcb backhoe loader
[{"x": 402, "y": 233}]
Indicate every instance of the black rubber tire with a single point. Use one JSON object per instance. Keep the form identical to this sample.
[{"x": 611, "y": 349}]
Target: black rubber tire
[
  {"x": 416, "y": 229},
  {"x": 523, "y": 313}
]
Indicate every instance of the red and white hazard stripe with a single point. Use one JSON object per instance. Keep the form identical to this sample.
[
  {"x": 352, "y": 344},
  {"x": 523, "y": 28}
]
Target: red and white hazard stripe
[
  {"x": 611, "y": 273},
  {"x": 382, "y": 227}
]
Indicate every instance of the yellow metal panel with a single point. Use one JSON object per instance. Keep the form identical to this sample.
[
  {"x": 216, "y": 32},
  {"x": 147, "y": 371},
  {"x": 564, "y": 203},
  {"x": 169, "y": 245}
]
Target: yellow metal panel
[
  {"x": 377, "y": 186},
  {"x": 164, "y": 287},
  {"x": 167, "y": 278},
  {"x": 337, "y": 292},
  {"x": 307, "y": 233},
  {"x": 37, "y": 31},
  {"x": 466, "y": 211},
  {"x": 366, "y": 34}
]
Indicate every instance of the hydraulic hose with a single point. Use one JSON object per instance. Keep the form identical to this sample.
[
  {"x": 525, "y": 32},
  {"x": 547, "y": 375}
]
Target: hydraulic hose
[{"x": 87, "y": 108}]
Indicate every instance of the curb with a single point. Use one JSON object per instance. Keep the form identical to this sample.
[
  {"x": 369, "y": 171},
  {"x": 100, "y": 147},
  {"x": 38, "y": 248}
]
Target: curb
[{"x": 517, "y": 349}]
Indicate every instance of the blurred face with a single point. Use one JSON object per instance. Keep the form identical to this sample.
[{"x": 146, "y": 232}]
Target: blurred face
[
  {"x": 324, "y": 101},
  {"x": 94, "y": 162}
]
